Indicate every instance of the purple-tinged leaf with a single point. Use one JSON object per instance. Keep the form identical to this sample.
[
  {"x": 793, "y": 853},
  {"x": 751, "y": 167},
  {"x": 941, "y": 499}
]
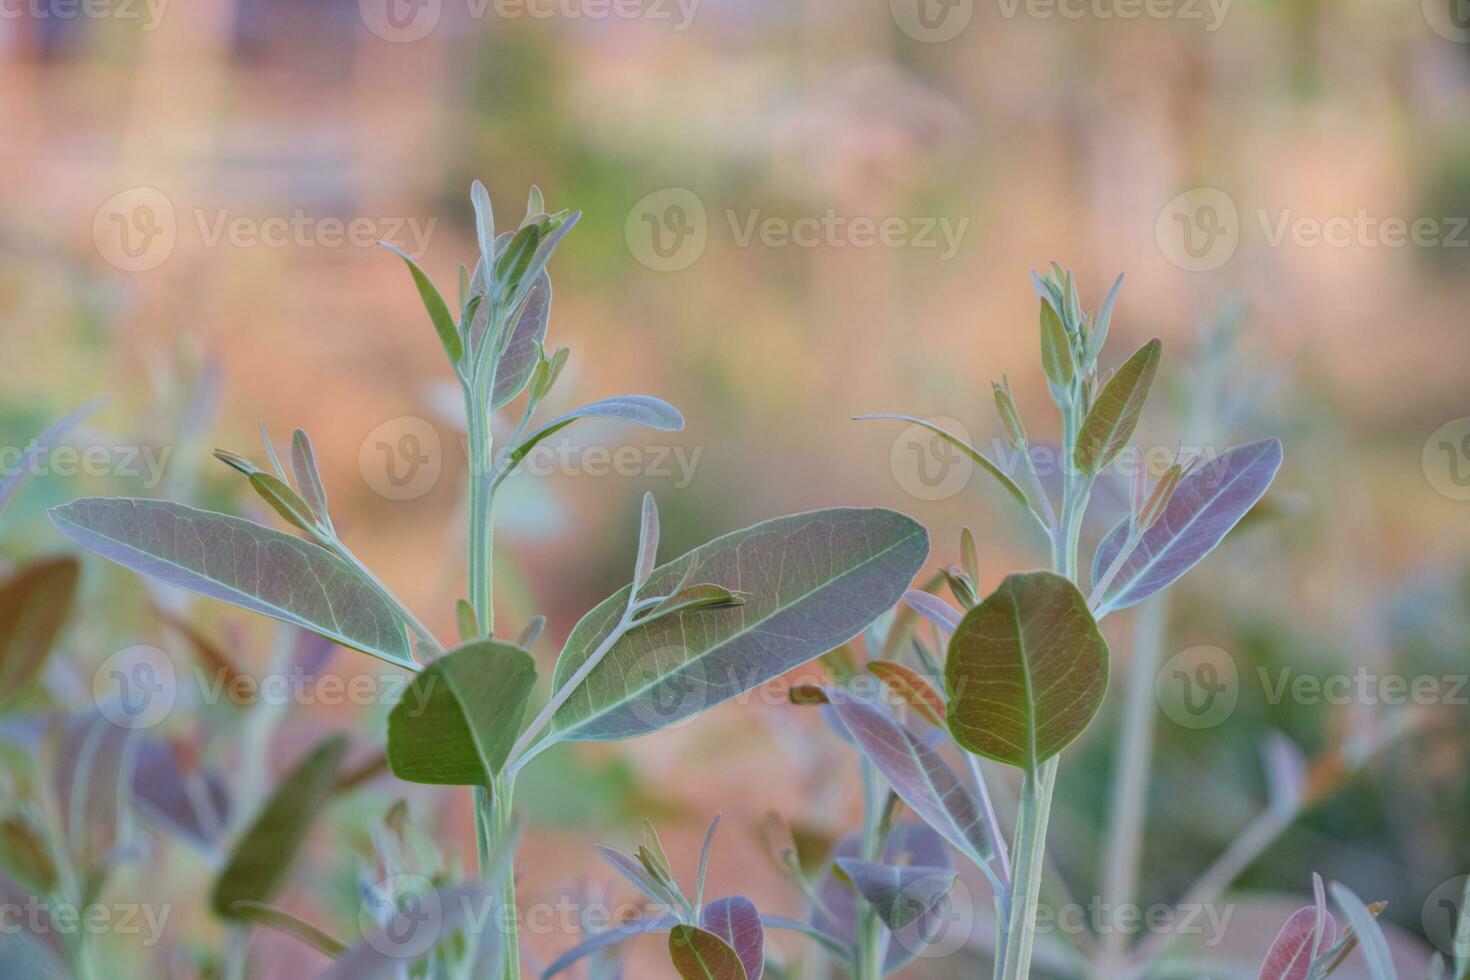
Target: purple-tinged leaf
[
  {"x": 634, "y": 871},
  {"x": 908, "y": 845},
  {"x": 242, "y": 563},
  {"x": 699, "y": 954},
  {"x": 613, "y": 936},
  {"x": 1027, "y": 671},
  {"x": 34, "y": 604},
  {"x": 917, "y": 774},
  {"x": 814, "y": 581},
  {"x": 94, "y": 764},
  {"x": 10, "y": 482},
  {"x": 898, "y": 894},
  {"x": 934, "y": 609},
  {"x": 1204, "y": 507},
  {"x": 1291, "y": 953},
  {"x": 655, "y": 413},
  {"x": 308, "y": 476},
  {"x": 193, "y": 803},
  {"x": 737, "y": 922}
]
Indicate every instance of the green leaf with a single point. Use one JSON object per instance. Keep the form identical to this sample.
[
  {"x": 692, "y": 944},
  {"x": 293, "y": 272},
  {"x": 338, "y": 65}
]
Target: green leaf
[
  {"x": 266, "y": 852},
  {"x": 699, "y": 954},
  {"x": 641, "y": 409},
  {"x": 242, "y": 563},
  {"x": 458, "y": 719},
  {"x": 308, "y": 476},
  {"x": 1113, "y": 417},
  {"x": 284, "y": 501},
  {"x": 467, "y": 621},
  {"x": 814, "y": 581},
  {"x": 484, "y": 221},
  {"x": 438, "y": 311},
  {"x": 1056, "y": 349},
  {"x": 979, "y": 458},
  {"x": 1027, "y": 671},
  {"x": 34, "y": 604},
  {"x": 25, "y": 856},
  {"x": 261, "y": 914}
]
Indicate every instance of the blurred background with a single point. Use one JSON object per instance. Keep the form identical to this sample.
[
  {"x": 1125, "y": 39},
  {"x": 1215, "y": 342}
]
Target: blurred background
[{"x": 794, "y": 213}]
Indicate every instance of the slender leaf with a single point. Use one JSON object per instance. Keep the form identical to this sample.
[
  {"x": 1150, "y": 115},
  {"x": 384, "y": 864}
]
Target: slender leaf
[
  {"x": 979, "y": 458},
  {"x": 437, "y": 309},
  {"x": 1056, "y": 349},
  {"x": 1104, "y": 320},
  {"x": 265, "y": 854},
  {"x": 641, "y": 409},
  {"x": 1027, "y": 671},
  {"x": 647, "y": 543},
  {"x": 915, "y": 691},
  {"x": 458, "y": 719},
  {"x": 898, "y": 894},
  {"x": 1369, "y": 935},
  {"x": 467, "y": 622},
  {"x": 699, "y": 954},
  {"x": 917, "y": 774},
  {"x": 703, "y": 869},
  {"x": 242, "y": 563},
  {"x": 261, "y": 914},
  {"x": 95, "y": 761},
  {"x": 1291, "y": 954},
  {"x": 191, "y": 802},
  {"x": 738, "y": 923},
  {"x": 10, "y": 482},
  {"x": 815, "y": 581},
  {"x": 284, "y": 501},
  {"x": 602, "y": 940},
  {"x": 1113, "y": 417},
  {"x": 1203, "y": 509},
  {"x": 25, "y": 856},
  {"x": 934, "y": 609},
  {"x": 635, "y": 872},
  {"x": 34, "y": 605},
  {"x": 308, "y": 476}
]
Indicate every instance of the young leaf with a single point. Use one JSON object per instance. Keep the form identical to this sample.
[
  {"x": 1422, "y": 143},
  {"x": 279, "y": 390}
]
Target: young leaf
[
  {"x": 635, "y": 872},
  {"x": 1294, "y": 948},
  {"x": 1027, "y": 671},
  {"x": 970, "y": 556},
  {"x": 815, "y": 580},
  {"x": 242, "y": 563},
  {"x": 898, "y": 894},
  {"x": 1056, "y": 349},
  {"x": 979, "y": 458},
  {"x": 738, "y": 923},
  {"x": 484, "y": 219},
  {"x": 699, "y": 954},
  {"x": 1110, "y": 423},
  {"x": 934, "y": 609},
  {"x": 917, "y": 774},
  {"x": 1104, "y": 320},
  {"x": 1203, "y": 509},
  {"x": 915, "y": 691},
  {"x": 285, "y": 501},
  {"x": 261, "y": 914},
  {"x": 10, "y": 482},
  {"x": 458, "y": 719},
  {"x": 523, "y": 345},
  {"x": 308, "y": 477},
  {"x": 438, "y": 310},
  {"x": 467, "y": 622},
  {"x": 642, "y": 409},
  {"x": 236, "y": 462},
  {"x": 266, "y": 852},
  {"x": 1366, "y": 931},
  {"x": 703, "y": 869},
  {"x": 34, "y": 605},
  {"x": 531, "y": 632},
  {"x": 647, "y": 544}
]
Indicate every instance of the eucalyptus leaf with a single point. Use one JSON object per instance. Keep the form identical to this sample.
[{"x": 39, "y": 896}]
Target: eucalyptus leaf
[
  {"x": 308, "y": 476},
  {"x": 814, "y": 581},
  {"x": 737, "y": 921},
  {"x": 699, "y": 954},
  {"x": 1365, "y": 928},
  {"x": 641, "y": 409},
  {"x": 979, "y": 458},
  {"x": 266, "y": 852},
  {"x": 438, "y": 310},
  {"x": 34, "y": 605},
  {"x": 1056, "y": 349},
  {"x": 284, "y": 501},
  {"x": 1114, "y": 415},
  {"x": 1204, "y": 507},
  {"x": 242, "y": 563},
  {"x": 1027, "y": 671},
  {"x": 459, "y": 717}
]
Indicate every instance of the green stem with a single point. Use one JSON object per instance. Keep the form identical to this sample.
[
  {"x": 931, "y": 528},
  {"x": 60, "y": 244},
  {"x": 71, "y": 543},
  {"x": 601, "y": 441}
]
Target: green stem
[
  {"x": 499, "y": 827},
  {"x": 870, "y": 935},
  {"x": 481, "y": 557},
  {"x": 1030, "y": 857}
]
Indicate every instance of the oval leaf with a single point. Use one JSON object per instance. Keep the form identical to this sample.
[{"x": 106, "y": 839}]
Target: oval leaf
[
  {"x": 1113, "y": 417},
  {"x": 814, "y": 580},
  {"x": 266, "y": 852},
  {"x": 699, "y": 954},
  {"x": 456, "y": 722},
  {"x": 1027, "y": 671},
  {"x": 738, "y": 923},
  {"x": 898, "y": 894},
  {"x": 242, "y": 563},
  {"x": 34, "y": 604},
  {"x": 1204, "y": 507},
  {"x": 1291, "y": 954}
]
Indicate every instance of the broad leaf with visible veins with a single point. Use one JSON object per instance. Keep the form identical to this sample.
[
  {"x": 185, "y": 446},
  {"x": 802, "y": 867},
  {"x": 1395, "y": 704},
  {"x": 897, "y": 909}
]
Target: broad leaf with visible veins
[
  {"x": 458, "y": 719},
  {"x": 699, "y": 954},
  {"x": 1291, "y": 953},
  {"x": 811, "y": 583},
  {"x": 1027, "y": 671},
  {"x": 738, "y": 923},
  {"x": 242, "y": 563},
  {"x": 1205, "y": 506},
  {"x": 1113, "y": 417},
  {"x": 899, "y": 894}
]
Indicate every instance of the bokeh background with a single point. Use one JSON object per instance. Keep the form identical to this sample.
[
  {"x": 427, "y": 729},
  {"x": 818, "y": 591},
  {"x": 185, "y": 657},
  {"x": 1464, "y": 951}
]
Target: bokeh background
[{"x": 191, "y": 197}]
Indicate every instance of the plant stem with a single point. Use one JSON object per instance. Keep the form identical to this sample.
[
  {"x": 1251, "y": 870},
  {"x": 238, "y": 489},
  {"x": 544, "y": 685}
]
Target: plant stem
[
  {"x": 499, "y": 827},
  {"x": 481, "y": 557},
  {"x": 870, "y": 947},
  {"x": 1030, "y": 854}
]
